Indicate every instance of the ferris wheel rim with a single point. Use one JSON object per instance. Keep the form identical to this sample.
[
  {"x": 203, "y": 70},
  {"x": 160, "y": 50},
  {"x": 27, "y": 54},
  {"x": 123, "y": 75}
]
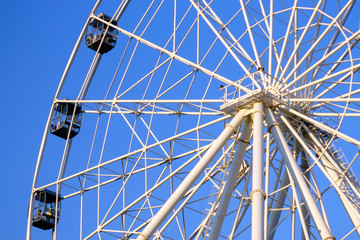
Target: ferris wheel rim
[{"x": 119, "y": 103}]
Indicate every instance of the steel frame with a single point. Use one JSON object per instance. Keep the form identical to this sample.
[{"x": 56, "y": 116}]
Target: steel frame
[{"x": 272, "y": 165}]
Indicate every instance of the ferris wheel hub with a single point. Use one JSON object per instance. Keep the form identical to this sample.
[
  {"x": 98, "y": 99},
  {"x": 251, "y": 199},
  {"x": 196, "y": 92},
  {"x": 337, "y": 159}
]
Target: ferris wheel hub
[{"x": 234, "y": 101}]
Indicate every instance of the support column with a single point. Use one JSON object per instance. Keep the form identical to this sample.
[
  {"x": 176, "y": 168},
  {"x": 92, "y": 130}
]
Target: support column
[
  {"x": 257, "y": 195},
  {"x": 325, "y": 159},
  {"x": 194, "y": 174},
  {"x": 295, "y": 172},
  {"x": 280, "y": 199},
  {"x": 304, "y": 169},
  {"x": 238, "y": 160}
]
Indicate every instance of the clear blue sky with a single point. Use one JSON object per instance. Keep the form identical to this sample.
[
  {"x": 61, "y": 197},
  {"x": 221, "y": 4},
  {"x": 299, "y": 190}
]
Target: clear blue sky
[{"x": 36, "y": 41}]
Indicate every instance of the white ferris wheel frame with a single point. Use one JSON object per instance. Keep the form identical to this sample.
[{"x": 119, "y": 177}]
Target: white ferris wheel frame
[{"x": 253, "y": 109}]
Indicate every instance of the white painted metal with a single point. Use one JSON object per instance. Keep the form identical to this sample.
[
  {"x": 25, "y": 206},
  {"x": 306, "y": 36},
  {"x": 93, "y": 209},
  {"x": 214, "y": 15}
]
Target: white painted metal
[
  {"x": 332, "y": 174},
  {"x": 304, "y": 169},
  {"x": 148, "y": 160},
  {"x": 279, "y": 202},
  {"x": 325, "y": 127},
  {"x": 171, "y": 54},
  {"x": 192, "y": 177},
  {"x": 267, "y": 178},
  {"x": 237, "y": 164},
  {"x": 257, "y": 194},
  {"x": 318, "y": 39},
  {"x": 65, "y": 157},
  {"x": 222, "y": 40},
  {"x": 191, "y": 192},
  {"x": 297, "y": 176},
  {"x": 342, "y": 190},
  {"x": 48, "y": 124}
]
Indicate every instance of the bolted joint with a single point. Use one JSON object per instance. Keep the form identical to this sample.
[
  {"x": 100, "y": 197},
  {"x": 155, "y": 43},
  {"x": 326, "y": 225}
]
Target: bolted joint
[
  {"x": 257, "y": 191},
  {"x": 273, "y": 125},
  {"x": 256, "y": 112},
  {"x": 232, "y": 127},
  {"x": 142, "y": 235},
  {"x": 330, "y": 238}
]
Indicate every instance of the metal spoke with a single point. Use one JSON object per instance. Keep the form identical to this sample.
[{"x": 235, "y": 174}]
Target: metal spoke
[{"x": 197, "y": 114}]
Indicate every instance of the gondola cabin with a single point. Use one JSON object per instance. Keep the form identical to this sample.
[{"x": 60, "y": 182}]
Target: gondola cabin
[
  {"x": 101, "y": 37},
  {"x": 67, "y": 120},
  {"x": 46, "y": 209}
]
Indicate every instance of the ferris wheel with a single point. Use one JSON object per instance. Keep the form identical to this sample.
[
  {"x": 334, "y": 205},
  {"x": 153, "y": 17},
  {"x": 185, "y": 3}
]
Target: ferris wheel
[{"x": 205, "y": 120}]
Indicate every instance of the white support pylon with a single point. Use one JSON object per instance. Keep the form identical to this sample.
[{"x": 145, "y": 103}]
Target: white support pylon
[
  {"x": 257, "y": 194},
  {"x": 190, "y": 179},
  {"x": 295, "y": 172},
  {"x": 304, "y": 169},
  {"x": 334, "y": 175},
  {"x": 231, "y": 181}
]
